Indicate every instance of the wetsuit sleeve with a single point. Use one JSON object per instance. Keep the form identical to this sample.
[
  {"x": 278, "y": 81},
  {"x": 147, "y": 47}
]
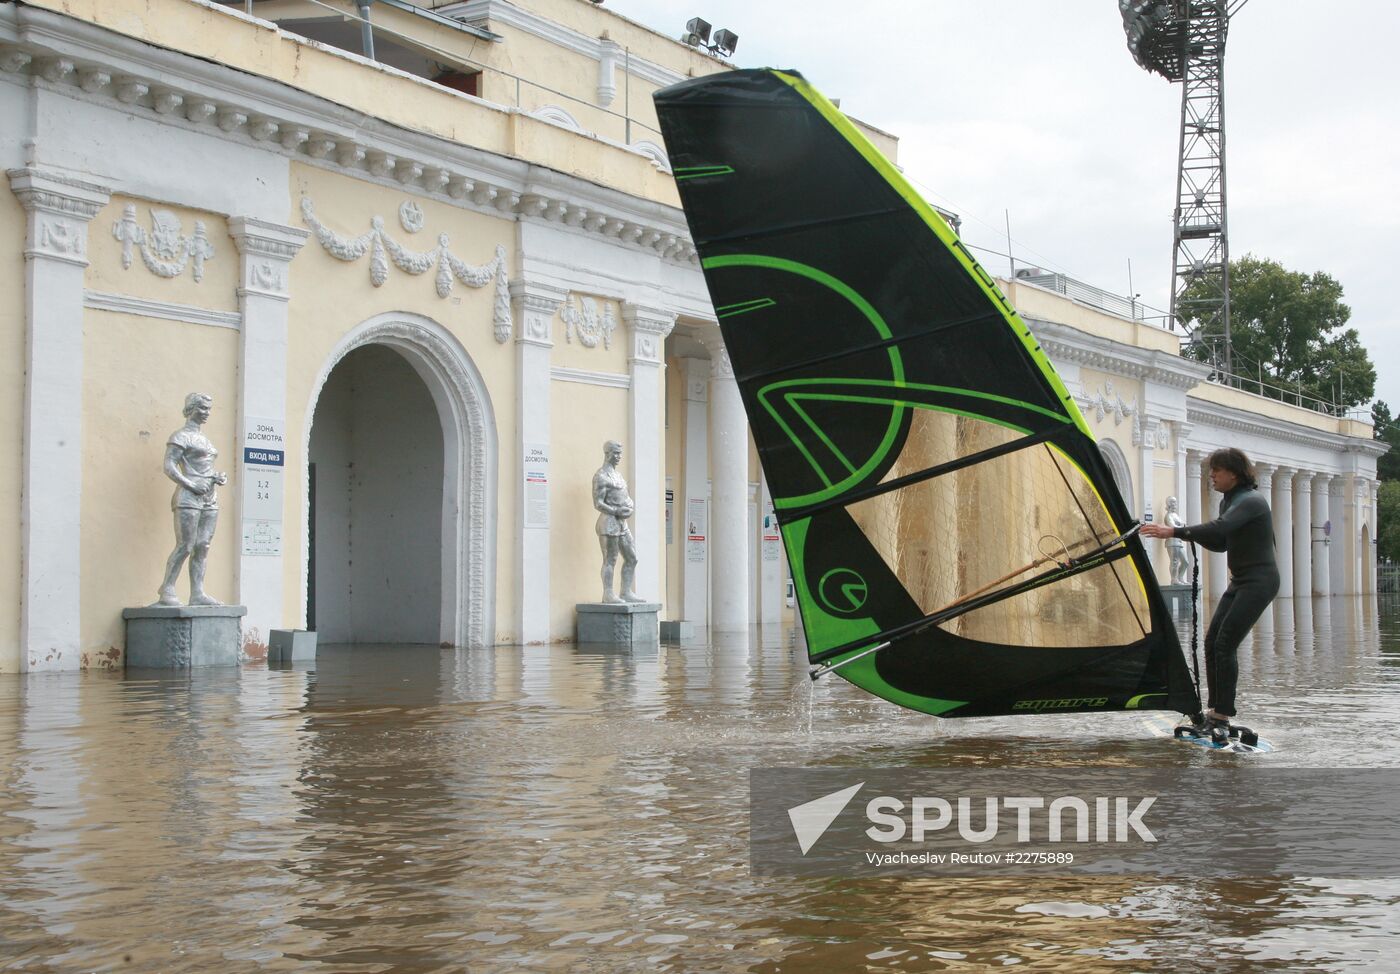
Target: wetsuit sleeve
[{"x": 1213, "y": 535}]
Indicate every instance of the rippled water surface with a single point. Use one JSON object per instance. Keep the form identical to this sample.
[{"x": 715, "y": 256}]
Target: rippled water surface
[{"x": 395, "y": 808}]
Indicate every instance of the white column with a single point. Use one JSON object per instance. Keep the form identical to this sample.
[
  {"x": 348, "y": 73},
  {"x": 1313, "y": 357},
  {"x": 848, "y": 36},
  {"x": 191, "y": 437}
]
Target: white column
[
  {"x": 1264, "y": 475},
  {"x": 1183, "y": 432},
  {"x": 1322, "y": 571},
  {"x": 1337, "y": 551},
  {"x": 59, "y": 209},
  {"x": 1302, "y": 536},
  {"x": 692, "y": 509},
  {"x": 536, "y": 304},
  {"x": 265, "y": 253},
  {"x": 1218, "y": 575},
  {"x": 1283, "y": 529},
  {"x": 729, "y": 476},
  {"x": 647, "y": 442},
  {"x": 1351, "y": 535},
  {"x": 1373, "y": 555},
  {"x": 1146, "y": 444},
  {"x": 1191, "y": 508}
]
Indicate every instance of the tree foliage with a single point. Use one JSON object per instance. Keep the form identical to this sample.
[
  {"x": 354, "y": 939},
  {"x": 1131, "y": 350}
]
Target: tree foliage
[
  {"x": 1388, "y": 535},
  {"x": 1387, "y": 431},
  {"x": 1288, "y": 328}
]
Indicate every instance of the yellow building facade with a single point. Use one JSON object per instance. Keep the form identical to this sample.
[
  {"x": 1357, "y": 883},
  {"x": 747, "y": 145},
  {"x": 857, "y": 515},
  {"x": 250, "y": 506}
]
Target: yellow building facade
[{"x": 422, "y": 289}]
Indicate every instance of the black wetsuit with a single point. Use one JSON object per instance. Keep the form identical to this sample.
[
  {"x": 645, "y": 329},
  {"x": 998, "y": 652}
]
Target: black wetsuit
[{"x": 1245, "y": 531}]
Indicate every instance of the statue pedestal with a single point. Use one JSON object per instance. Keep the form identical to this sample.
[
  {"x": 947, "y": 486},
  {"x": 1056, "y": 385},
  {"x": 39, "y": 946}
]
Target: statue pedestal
[
  {"x": 177, "y": 636},
  {"x": 1178, "y": 600},
  {"x": 625, "y": 624}
]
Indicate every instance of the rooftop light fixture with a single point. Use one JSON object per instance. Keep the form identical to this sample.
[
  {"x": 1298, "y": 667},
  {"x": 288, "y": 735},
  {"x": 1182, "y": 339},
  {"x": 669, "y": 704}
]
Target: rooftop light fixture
[{"x": 697, "y": 34}]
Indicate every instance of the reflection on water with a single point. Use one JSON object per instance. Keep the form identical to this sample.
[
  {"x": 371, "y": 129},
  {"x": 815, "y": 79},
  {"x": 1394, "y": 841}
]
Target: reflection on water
[{"x": 548, "y": 808}]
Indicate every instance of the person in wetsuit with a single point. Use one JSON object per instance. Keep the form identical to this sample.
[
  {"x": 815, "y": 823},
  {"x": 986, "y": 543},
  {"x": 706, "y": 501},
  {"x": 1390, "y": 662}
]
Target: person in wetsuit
[{"x": 1244, "y": 530}]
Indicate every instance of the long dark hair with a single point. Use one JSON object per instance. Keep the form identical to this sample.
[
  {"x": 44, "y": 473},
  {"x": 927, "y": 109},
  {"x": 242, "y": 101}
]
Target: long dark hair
[{"x": 1234, "y": 461}]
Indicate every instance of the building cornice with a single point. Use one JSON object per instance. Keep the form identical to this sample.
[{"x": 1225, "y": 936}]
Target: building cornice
[
  {"x": 85, "y": 62},
  {"x": 1203, "y": 414},
  {"x": 1068, "y": 344}
]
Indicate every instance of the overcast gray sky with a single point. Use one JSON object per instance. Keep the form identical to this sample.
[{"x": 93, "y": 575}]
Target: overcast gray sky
[{"x": 1037, "y": 108}]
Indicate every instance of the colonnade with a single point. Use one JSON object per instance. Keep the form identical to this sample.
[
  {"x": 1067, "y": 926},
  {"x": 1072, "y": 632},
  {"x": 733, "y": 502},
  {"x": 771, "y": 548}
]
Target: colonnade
[{"x": 1324, "y": 527}]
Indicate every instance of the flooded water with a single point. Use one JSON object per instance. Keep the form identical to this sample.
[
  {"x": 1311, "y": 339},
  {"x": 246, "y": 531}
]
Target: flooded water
[{"x": 395, "y": 808}]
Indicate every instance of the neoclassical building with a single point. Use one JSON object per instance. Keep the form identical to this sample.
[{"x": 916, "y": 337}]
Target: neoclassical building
[{"x": 423, "y": 288}]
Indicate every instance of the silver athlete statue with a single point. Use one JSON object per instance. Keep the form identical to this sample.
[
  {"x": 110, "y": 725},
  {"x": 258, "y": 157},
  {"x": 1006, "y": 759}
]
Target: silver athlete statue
[
  {"x": 189, "y": 462},
  {"x": 614, "y": 506},
  {"x": 1176, "y": 548}
]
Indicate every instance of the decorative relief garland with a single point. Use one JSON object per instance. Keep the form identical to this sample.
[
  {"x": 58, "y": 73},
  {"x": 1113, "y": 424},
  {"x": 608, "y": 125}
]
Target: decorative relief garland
[{"x": 382, "y": 249}]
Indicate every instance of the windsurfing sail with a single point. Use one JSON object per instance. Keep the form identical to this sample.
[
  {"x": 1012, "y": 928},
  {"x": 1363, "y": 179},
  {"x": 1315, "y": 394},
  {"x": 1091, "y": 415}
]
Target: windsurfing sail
[{"x": 955, "y": 538}]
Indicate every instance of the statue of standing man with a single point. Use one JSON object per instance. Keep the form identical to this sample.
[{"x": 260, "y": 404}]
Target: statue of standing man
[
  {"x": 614, "y": 506},
  {"x": 1176, "y": 548},
  {"x": 189, "y": 462}
]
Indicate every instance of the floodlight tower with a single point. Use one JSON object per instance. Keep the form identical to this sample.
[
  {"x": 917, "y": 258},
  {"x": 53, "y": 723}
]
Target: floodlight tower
[{"x": 1184, "y": 41}]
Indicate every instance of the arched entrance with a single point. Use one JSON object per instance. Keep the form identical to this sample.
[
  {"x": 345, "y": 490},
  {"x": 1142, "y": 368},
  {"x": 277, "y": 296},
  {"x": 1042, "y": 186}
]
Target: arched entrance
[{"x": 402, "y": 490}]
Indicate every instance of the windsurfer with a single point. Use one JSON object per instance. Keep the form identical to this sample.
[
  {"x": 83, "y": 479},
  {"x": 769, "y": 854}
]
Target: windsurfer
[{"x": 1244, "y": 530}]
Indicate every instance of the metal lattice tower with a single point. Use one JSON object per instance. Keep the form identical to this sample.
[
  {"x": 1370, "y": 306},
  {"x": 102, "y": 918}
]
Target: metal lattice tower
[
  {"x": 1201, "y": 250},
  {"x": 1184, "y": 41}
]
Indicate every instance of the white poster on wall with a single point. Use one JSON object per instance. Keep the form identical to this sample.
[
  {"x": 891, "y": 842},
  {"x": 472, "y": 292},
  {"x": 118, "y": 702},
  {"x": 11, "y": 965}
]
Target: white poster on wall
[
  {"x": 264, "y": 461},
  {"x": 670, "y": 514},
  {"x": 695, "y": 529},
  {"x": 536, "y": 470},
  {"x": 769, "y": 534}
]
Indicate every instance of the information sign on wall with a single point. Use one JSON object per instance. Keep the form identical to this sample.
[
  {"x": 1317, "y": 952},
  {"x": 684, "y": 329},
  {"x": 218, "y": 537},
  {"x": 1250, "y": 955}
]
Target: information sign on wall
[
  {"x": 695, "y": 529},
  {"x": 536, "y": 471},
  {"x": 264, "y": 460}
]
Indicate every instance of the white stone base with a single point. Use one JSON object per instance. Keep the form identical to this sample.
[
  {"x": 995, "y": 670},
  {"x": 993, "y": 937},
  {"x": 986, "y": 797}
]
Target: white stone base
[
  {"x": 626, "y": 624},
  {"x": 181, "y": 636}
]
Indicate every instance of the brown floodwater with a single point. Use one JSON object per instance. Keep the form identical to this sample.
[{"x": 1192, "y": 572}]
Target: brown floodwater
[{"x": 552, "y": 808}]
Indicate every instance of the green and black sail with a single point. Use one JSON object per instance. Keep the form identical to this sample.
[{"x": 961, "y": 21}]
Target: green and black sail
[{"x": 936, "y": 486}]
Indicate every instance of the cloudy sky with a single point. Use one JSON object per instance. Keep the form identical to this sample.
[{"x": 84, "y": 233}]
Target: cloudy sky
[{"x": 1037, "y": 109}]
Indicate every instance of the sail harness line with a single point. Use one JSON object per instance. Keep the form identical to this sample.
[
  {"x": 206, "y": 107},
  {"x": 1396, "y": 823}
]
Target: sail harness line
[
  {"x": 977, "y": 599},
  {"x": 788, "y": 515}
]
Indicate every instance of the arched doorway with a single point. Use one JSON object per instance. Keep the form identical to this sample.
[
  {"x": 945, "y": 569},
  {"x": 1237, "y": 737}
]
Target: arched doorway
[
  {"x": 376, "y": 451},
  {"x": 402, "y": 490}
]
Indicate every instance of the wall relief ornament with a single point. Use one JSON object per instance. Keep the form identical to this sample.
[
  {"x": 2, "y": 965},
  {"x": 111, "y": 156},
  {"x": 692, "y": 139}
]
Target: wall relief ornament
[
  {"x": 1106, "y": 402},
  {"x": 411, "y": 216},
  {"x": 585, "y": 320},
  {"x": 383, "y": 249},
  {"x": 1149, "y": 432},
  {"x": 165, "y": 250}
]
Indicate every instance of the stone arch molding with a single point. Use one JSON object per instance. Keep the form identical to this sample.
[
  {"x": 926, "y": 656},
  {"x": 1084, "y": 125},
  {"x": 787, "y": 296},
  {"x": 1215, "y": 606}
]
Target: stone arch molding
[
  {"x": 654, "y": 152},
  {"x": 470, "y": 449},
  {"x": 557, "y": 116},
  {"x": 1118, "y": 466}
]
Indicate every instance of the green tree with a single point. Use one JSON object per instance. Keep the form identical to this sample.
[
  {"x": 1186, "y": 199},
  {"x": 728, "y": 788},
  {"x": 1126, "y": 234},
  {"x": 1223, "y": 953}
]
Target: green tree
[
  {"x": 1388, "y": 533},
  {"x": 1387, "y": 431},
  {"x": 1288, "y": 328}
]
